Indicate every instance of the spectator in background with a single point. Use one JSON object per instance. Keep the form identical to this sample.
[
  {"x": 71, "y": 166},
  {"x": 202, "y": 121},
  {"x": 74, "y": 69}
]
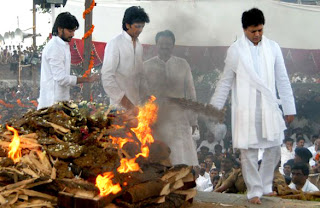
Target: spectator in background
[
  {"x": 210, "y": 164},
  {"x": 287, "y": 173},
  {"x": 300, "y": 141},
  {"x": 202, "y": 153},
  {"x": 202, "y": 182},
  {"x": 314, "y": 149},
  {"x": 287, "y": 152},
  {"x": 300, "y": 173},
  {"x": 298, "y": 132},
  {"x": 209, "y": 142},
  {"x": 303, "y": 155}
]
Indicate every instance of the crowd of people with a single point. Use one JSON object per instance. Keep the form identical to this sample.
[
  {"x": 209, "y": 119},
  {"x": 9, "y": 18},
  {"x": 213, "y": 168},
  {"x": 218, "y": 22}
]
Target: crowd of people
[
  {"x": 14, "y": 54},
  {"x": 219, "y": 167}
]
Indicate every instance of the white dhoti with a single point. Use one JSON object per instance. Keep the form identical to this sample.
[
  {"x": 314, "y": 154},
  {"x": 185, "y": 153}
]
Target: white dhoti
[{"x": 259, "y": 182}]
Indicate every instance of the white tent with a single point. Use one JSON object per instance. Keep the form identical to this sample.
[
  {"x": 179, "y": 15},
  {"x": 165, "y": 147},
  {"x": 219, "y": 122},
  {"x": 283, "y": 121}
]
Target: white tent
[{"x": 205, "y": 22}]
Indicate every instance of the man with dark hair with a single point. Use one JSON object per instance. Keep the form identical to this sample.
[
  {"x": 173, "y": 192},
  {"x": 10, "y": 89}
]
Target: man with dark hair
[
  {"x": 255, "y": 71},
  {"x": 287, "y": 173},
  {"x": 287, "y": 152},
  {"x": 302, "y": 155},
  {"x": 232, "y": 179},
  {"x": 209, "y": 141},
  {"x": 122, "y": 65},
  {"x": 55, "y": 78},
  {"x": 300, "y": 141},
  {"x": 170, "y": 76},
  {"x": 300, "y": 173}
]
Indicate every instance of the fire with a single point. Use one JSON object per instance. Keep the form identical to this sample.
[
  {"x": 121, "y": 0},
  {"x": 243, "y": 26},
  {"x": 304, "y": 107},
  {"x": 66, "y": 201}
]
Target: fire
[
  {"x": 128, "y": 165},
  {"x": 147, "y": 116},
  {"x": 105, "y": 185},
  {"x": 120, "y": 141},
  {"x": 14, "y": 150}
]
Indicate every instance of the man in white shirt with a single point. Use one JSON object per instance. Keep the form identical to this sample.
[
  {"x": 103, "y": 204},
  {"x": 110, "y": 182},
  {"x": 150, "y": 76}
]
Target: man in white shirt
[
  {"x": 314, "y": 149},
  {"x": 255, "y": 70},
  {"x": 170, "y": 76},
  {"x": 55, "y": 78},
  {"x": 287, "y": 152},
  {"x": 300, "y": 173},
  {"x": 122, "y": 76},
  {"x": 209, "y": 142}
]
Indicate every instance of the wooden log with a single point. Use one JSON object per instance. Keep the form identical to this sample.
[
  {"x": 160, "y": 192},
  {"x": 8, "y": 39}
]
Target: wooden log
[
  {"x": 13, "y": 199},
  {"x": 189, "y": 194},
  {"x": 176, "y": 185},
  {"x": 176, "y": 173},
  {"x": 188, "y": 185},
  {"x": 67, "y": 200},
  {"x": 22, "y": 145},
  {"x": 38, "y": 184},
  {"x": 38, "y": 194},
  {"x": 30, "y": 172},
  {"x": 188, "y": 178},
  {"x": 146, "y": 190},
  {"x": 15, "y": 185},
  {"x": 2, "y": 200},
  {"x": 73, "y": 186},
  {"x": 34, "y": 203},
  {"x": 23, "y": 197}
]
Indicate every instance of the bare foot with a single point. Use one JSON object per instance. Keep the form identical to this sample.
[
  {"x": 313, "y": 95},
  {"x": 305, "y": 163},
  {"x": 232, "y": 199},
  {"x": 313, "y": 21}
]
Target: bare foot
[{"x": 255, "y": 200}]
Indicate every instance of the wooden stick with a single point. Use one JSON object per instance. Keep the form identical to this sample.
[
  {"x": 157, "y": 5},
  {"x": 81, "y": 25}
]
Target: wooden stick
[
  {"x": 38, "y": 194},
  {"x": 20, "y": 183},
  {"x": 37, "y": 184},
  {"x": 190, "y": 193},
  {"x": 14, "y": 199},
  {"x": 30, "y": 172},
  {"x": 2, "y": 200}
]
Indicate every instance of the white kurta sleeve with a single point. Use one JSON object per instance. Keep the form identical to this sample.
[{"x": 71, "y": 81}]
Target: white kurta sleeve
[
  {"x": 190, "y": 94},
  {"x": 110, "y": 63},
  {"x": 56, "y": 61},
  {"x": 225, "y": 83},
  {"x": 283, "y": 84}
]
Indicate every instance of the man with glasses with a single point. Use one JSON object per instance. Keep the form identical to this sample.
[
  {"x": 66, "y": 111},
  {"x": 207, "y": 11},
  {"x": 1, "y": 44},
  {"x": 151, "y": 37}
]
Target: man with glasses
[
  {"x": 255, "y": 71},
  {"x": 300, "y": 173},
  {"x": 122, "y": 77}
]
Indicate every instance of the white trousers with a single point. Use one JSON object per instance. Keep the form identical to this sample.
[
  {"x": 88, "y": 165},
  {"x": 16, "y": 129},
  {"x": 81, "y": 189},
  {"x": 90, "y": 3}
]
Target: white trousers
[{"x": 259, "y": 182}]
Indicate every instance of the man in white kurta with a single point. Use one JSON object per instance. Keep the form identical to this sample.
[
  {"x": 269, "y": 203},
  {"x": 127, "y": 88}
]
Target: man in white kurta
[
  {"x": 255, "y": 71},
  {"x": 55, "y": 78},
  {"x": 170, "y": 76},
  {"x": 122, "y": 76}
]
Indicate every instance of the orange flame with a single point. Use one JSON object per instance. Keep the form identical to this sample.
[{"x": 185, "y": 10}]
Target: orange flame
[
  {"x": 14, "y": 150},
  {"x": 120, "y": 141},
  {"x": 105, "y": 185},
  {"x": 128, "y": 165},
  {"x": 147, "y": 116}
]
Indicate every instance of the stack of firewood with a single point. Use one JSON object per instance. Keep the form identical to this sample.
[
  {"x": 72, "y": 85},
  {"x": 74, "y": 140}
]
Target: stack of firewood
[{"x": 65, "y": 147}]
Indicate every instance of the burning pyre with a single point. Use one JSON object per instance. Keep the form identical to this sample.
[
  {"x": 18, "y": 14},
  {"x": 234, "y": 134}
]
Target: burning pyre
[{"x": 89, "y": 153}]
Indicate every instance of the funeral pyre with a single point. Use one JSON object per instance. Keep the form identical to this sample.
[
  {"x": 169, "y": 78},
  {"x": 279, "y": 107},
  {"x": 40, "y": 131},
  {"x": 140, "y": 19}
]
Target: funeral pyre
[{"x": 86, "y": 155}]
